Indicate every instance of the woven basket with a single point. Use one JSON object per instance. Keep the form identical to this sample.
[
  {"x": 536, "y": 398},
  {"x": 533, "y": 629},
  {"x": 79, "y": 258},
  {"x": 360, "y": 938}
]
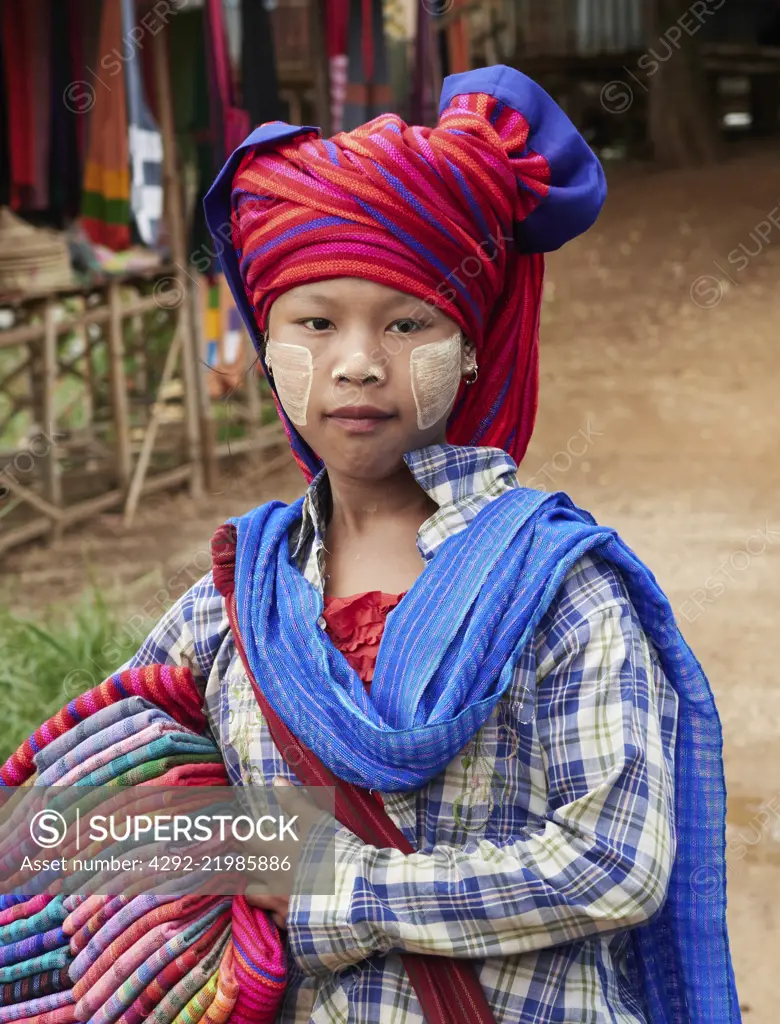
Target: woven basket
[{"x": 31, "y": 259}]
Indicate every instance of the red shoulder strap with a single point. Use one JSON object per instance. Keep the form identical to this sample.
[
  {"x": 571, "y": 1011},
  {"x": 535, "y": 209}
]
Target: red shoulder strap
[{"x": 448, "y": 990}]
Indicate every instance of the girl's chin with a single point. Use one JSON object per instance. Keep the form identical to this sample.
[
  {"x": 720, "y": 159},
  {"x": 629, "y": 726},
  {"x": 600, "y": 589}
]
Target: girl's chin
[{"x": 368, "y": 456}]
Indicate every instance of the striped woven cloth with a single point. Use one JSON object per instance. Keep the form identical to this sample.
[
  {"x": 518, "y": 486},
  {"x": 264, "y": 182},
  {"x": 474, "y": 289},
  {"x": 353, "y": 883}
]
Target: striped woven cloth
[
  {"x": 200, "y": 1002},
  {"x": 181, "y": 993},
  {"x": 227, "y": 990},
  {"x": 157, "y": 769},
  {"x": 139, "y": 955},
  {"x": 165, "y": 980},
  {"x": 103, "y": 719},
  {"x": 33, "y": 987},
  {"x": 97, "y": 750},
  {"x": 32, "y": 945},
  {"x": 81, "y": 927},
  {"x": 200, "y": 774},
  {"x": 123, "y": 957},
  {"x": 110, "y": 920},
  {"x": 258, "y": 981},
  {"x": 36, "y": 1005},
  {"x": 166, "y": 746},
  {"x": 53, "y": 913},
  {"x": 50, "y": 961},
  {"x": 64, "y": 1015},
  {"x": 127, "y": 928},
  {"x": 160, "y": 684},
  {"x": 61, "y": 1014},
  {"x": 24, "y": 908},
  {"x": 199, "y": 942}
]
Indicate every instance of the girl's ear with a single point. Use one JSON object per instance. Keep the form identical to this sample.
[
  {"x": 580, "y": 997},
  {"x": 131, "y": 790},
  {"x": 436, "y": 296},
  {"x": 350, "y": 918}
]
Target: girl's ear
[{"x": 468, "y": 356}]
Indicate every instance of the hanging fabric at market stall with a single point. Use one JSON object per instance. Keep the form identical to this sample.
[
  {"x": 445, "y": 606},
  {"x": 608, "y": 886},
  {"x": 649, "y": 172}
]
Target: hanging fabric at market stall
[
  {"x": 399, "y": 32},
  {"x": 144, "y": 141},
  {"x": 64, "y": 169},
  {"x": 458, "y": 37},
  {"x": 227, "y": 351},
  {"x": 21, "y": 48},
  {"x": 259, "y": 83},
  {"x": 230, "y": 124},
  {"x": 106, "y": 199},
  {"x": 336, "y": 24},
  {"x": 368, "y": 89},
  {"x": 425, "y": 85}
]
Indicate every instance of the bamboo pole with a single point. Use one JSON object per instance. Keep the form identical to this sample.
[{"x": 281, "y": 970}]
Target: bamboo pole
[
  {"x": 51, "y": 466},
  {"x": 268, "y": 436},
  {"x": 196, "y": 424},
  {"x": 321, "y": 69},
  {"x": 29, "y": 496},
  {"x": 89, "y": 370},
  {"x": 116, "y": 364},
  {"x": 253, "y": 409},
  {"x": 151, "y": 431},
  {"x": 12, "y": 337},
  {"x": 204, "y": 399},
  {"x": 87, "y": 509}
]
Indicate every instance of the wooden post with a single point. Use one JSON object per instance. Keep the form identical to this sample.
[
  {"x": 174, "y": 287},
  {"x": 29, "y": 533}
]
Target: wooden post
[
  {"x": 116, "y": 366},
  {"x": 321, "y": 70},
  {"x": 253, "y": 408},
  {"x": 195, "y": 421},
  {"x": 89, "y": 370},
  {"x": 204, "y": 399},
  {"x": 683, "y": 126},
  {"x": 147, "y": 445},
  {"x": 51, "y": 466}
]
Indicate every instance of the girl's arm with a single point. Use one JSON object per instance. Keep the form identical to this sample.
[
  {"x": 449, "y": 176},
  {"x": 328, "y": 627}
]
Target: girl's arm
[
  {"x": 598, "y": 861},
  {"x": 189, "y": 634}
]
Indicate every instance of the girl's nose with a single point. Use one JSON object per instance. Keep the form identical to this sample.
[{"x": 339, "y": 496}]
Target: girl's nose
[{"x": 358, "y": 367}]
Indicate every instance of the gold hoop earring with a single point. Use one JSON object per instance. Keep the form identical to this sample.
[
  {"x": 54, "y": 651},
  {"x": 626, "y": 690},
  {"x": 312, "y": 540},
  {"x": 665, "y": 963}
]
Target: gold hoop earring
[
  {"x": 476, "y": 374},
  {"x": 265, "y": 357}
]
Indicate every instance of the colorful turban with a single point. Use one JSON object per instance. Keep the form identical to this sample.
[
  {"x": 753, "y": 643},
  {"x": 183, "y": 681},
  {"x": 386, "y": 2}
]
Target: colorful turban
[{"x": 458, "y": 215}]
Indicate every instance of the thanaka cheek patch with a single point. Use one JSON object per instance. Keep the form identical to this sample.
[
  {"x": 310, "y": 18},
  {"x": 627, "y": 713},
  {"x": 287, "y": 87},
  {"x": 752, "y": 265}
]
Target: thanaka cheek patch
[
  {"x": 293, "y": 374},
  {"x": 435, "y": 374}
]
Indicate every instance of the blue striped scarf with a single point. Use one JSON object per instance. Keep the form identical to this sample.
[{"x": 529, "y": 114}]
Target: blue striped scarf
[{"x": 447, "y": 655}]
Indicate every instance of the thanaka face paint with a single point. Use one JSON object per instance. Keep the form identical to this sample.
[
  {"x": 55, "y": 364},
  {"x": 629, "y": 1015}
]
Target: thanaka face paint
[
  {"x": 435, "y": 373},
  {"x": 293, "y": 374}
]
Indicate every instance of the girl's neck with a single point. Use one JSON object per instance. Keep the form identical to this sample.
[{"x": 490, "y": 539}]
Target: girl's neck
[
  {"x": 371, "y": 535},
  {"x": 360, "y": 507}
]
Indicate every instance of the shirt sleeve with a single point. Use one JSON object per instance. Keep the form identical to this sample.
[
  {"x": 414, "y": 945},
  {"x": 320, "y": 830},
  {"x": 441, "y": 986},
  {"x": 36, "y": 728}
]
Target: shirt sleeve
[
  {"x": 189, "y": 634},
  {"x": 597, "y": 861}
]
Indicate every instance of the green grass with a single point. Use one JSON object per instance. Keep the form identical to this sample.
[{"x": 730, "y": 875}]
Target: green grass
[{"x": 45, "y": 664}]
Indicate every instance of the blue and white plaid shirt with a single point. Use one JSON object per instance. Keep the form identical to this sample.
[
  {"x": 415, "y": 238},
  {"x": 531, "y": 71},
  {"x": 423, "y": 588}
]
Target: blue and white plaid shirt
[{"x": 544, "y": 842}]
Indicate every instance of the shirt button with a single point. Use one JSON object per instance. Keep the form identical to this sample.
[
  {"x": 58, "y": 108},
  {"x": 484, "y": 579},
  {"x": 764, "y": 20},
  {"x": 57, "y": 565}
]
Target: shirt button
[{"x": 321, "y": 622}]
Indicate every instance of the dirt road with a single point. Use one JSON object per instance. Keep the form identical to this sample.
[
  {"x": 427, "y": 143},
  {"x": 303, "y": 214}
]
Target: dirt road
[{"x": 660, "y": 413}]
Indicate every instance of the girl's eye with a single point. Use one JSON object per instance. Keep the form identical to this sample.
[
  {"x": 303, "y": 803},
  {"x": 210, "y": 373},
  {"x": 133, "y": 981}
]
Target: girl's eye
[
  {"x": 407, "y": 326},
  {"x": 319, "y": 323}
]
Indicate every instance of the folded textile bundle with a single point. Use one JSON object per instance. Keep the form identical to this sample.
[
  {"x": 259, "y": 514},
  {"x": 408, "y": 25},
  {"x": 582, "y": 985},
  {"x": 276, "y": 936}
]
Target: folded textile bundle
[{"x": 138, "y": 955}]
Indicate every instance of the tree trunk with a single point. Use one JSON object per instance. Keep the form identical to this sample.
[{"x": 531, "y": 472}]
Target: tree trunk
[{"x": 683, "y": 123}]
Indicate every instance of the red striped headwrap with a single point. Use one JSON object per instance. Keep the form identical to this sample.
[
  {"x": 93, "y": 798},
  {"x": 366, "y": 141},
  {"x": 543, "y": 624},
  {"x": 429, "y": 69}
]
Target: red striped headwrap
[{"x": 433, "y": 212}]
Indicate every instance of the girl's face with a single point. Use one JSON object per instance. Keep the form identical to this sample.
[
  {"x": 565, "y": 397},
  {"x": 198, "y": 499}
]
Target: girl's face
[{"x": 347, "y": 342}]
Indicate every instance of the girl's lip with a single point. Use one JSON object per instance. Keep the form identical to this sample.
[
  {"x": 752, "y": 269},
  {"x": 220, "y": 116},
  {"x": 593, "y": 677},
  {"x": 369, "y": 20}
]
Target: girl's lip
[
  {"x": 359, "y": 413},
  {"x": 359, "y": 426}
]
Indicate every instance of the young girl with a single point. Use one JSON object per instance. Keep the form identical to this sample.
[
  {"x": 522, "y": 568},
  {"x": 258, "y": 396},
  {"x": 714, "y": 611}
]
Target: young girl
[{"x": 497, "y": 679}]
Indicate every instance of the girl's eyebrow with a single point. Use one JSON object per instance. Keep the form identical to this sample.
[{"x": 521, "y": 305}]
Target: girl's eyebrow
[
  {"x": 317, "y": 297},
  {"x": 401, "y": 305}
]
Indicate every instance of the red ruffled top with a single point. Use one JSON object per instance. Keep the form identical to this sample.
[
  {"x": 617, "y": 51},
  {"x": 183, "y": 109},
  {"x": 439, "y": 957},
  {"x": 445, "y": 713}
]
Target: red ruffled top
[{"x": 355, "y": 625}]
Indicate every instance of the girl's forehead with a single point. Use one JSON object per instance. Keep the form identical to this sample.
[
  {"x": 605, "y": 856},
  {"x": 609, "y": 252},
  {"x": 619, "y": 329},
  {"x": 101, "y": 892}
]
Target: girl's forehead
[{"x": 347, "y": 290}]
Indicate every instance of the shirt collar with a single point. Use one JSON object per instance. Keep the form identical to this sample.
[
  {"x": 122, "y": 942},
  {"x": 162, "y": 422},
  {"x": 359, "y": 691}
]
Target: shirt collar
[{"x": 459, "y": 478}]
